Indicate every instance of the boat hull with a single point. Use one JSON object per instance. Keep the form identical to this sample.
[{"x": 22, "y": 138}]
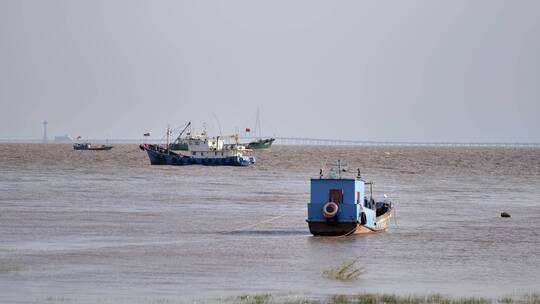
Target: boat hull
[
  {"x": 106, "y": 148},
  {"x": 261, "y": 144},
  {"x": 101, "y": 148},
  {"x": 330, "y": 228},
  {"x": 163, "y": 157}
]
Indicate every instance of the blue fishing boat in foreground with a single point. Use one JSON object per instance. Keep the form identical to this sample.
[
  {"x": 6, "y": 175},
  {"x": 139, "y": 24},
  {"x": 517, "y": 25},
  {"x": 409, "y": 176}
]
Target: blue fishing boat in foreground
[
  {"x": 202, "y": 150},
  {"x": 338, "y": 206}
]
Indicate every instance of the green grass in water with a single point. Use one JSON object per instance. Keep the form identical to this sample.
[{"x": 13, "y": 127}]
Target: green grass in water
[
  {"x": 382, "y": 299},
  {"x": 346, "y": 272},
  {"x": 251, "y": 299}
]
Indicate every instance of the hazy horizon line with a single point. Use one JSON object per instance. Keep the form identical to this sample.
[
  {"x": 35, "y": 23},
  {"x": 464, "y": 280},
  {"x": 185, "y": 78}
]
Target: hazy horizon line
[{"x": 285, "y": 141}]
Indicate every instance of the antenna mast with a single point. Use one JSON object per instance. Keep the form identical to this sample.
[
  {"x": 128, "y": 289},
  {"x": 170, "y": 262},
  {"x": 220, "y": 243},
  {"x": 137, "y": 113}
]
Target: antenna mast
[
  {"x": 258, "y": 123},
  {"x": 168, "y": 134},
  {"x": 219, "y": 125}
]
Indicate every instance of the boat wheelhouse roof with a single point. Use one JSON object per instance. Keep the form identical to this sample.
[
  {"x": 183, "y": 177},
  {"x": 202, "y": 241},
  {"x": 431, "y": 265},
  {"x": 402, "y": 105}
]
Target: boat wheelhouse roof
[{"x": 337, "y": 178}]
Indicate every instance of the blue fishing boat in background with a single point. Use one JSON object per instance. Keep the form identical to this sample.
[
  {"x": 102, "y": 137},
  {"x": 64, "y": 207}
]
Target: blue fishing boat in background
[
  {"x": 202, "y": 150},
  {"x": 338, "y": 206}
]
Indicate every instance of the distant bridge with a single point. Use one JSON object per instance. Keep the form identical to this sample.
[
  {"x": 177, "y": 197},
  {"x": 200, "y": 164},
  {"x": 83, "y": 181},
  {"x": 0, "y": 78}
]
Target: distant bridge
[{"x": 345, "y": 142}]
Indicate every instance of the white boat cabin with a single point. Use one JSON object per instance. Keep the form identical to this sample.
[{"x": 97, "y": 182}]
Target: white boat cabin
[{"x": 201, "y": 146}]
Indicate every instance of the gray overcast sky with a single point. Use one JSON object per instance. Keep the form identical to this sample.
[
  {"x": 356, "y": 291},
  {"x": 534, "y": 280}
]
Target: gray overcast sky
[{"x": 368, "y": 70}]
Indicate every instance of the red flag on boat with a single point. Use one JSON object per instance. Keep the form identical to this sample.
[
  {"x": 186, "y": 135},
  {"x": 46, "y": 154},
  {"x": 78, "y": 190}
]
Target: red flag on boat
[
  {"x": 146, "y": 134},
  {"x": 248, "y": 130}
]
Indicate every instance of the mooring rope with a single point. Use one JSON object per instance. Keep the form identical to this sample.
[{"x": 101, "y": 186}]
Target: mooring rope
[
  {"x": 395, "y": 217},
  {"x": 348, "y": 233},
  {"x": 340, "y": 236},
  {"x": 254, "y": 225}
]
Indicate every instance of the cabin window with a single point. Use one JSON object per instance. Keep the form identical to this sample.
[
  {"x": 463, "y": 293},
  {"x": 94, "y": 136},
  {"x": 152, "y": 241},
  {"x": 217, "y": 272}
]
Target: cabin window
[
  {"x": 194, "y": 153},
  {"x": 336, "y": 196},
  {"x": 221, "y": 153}
]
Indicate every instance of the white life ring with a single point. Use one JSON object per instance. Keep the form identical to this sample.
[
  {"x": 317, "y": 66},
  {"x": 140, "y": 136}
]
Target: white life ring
[{"x": 330, "y": 210}]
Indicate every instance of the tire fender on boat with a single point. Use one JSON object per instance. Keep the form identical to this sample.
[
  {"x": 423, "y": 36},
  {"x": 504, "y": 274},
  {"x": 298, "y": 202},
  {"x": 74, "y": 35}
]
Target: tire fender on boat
[
  {"x": 363, "y": 219},
  {"x": 330, "y": 210}
]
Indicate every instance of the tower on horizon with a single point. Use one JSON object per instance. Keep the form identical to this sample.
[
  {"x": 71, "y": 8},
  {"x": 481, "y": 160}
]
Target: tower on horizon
[{"x": 45, "y": 123}]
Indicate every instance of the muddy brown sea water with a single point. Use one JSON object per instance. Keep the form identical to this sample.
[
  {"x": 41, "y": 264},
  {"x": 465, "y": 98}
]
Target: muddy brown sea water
[{"x": 107, "y": 227}]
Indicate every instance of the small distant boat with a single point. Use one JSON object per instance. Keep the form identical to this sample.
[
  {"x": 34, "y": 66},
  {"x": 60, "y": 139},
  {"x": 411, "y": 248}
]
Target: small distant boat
[
  {"x": 90, "y": 147},
  {"x": 263, "y": 143},
  {"x": 338, "y": 206},
  {"x": 202, "y": 150},
  {"x": 260, "y": 143}
]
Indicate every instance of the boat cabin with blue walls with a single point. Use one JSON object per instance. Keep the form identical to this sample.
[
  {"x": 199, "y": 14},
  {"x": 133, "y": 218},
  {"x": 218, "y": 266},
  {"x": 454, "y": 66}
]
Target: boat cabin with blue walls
[{"x": 339, "y": 206}]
